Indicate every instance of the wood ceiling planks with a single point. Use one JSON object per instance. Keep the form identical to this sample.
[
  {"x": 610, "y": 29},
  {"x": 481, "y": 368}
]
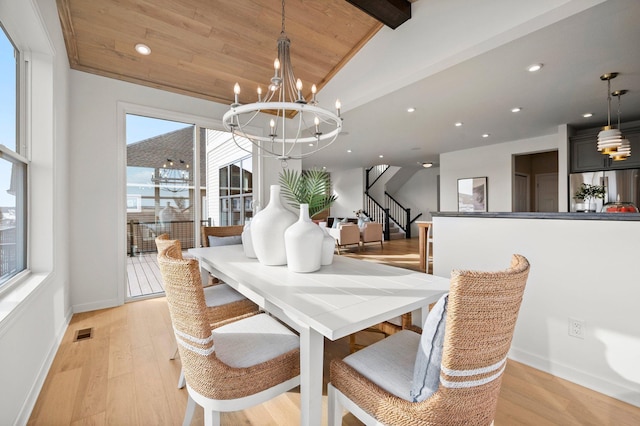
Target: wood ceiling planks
[{"x": 202, "y": 47}]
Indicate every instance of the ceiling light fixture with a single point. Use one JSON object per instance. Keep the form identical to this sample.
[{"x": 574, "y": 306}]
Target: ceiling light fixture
[
  {"x": 609, "y": 139},
  {"x": 587, "y": 115},
  {"x": 534, "y": 67},
  {"x": 313, "y": 125},
  {"x": 486, "y": 135},
  {"x": 381, "y": 156},
  {"x": 427, "y": 165},
  {"x": 458, "y": 124},
  {"x": 516, "y": 109},
  {"x": 411, "y": 109},
  {"x": 143, "y": 49},
  {"x": 624, "y": 150}
]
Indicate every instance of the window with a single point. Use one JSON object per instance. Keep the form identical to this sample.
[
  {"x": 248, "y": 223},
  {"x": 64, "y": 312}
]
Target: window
[
  {"x": 236, "y": 192},
  {"x": 13, "y": 168}
]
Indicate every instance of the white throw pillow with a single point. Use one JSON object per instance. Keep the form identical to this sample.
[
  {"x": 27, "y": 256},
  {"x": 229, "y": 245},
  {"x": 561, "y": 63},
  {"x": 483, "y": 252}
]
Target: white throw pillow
[{"x": 426, "y": 373}]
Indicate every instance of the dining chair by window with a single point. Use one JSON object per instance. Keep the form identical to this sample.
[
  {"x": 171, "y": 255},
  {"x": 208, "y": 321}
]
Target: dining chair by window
[
  {"x": 232, "y": 367},
  {"x": 452, "y": 373},
  {"x": 223, "y": 303}
]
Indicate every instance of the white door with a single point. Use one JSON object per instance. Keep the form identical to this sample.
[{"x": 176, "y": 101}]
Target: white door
[
  {"x": 547, "y": 192},
  {"x": 521, "y": 193}
]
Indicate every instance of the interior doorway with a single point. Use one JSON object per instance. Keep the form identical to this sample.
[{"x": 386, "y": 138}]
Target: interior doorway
[{"x": 535, "y": 182}]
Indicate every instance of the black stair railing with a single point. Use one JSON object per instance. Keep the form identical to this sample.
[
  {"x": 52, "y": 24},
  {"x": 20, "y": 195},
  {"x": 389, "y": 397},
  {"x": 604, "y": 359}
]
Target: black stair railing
[
  {"x": 400, "y": 214},
  {"x": 374, "y": 173}
]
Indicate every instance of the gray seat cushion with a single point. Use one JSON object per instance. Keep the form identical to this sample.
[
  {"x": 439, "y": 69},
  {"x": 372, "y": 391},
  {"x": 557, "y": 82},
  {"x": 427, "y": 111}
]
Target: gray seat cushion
[
  {"x": 252, "y": 341},
  {"x": 389, "y": 363},
  {"x": 221, "y": 294}
]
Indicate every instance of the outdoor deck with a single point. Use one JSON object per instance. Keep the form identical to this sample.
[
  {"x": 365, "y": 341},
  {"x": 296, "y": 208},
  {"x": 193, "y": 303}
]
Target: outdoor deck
[{"x": 143, "y": 273}]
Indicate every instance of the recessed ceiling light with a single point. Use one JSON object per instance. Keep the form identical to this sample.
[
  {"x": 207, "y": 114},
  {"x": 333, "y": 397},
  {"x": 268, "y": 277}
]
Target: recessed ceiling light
[
  {"x": 486, "y": 135},
  {"x": 427, "y": 165},
  {"x": 381, "y": 156},
  {"x": 534, "y": 67},
  {"x": 348, "y": 150},
  {"x": 458, "y": 123},
  {"x": 587, "y": 115},
  {"x": 411, "y": 109},
  {"x": 143, "y": 49},
  {"x": 516, "y": 109}
]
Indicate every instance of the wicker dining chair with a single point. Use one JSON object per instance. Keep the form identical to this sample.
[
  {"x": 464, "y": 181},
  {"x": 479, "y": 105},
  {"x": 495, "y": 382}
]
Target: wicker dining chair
[
  {"x": 253, "y": 359},
  {"x": 224, "y": 304},
  {"x": 375, "y": 384}
]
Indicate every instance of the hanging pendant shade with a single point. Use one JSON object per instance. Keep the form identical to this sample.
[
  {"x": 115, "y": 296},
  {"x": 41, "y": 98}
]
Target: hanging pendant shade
[
  {"x": 609, "y": 139},
  {"x": 624, "y": 149}
]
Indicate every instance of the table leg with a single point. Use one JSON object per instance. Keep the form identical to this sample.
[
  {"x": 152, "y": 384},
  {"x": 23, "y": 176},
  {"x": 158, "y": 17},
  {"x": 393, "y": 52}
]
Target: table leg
[{"x": 311, "y": 360}]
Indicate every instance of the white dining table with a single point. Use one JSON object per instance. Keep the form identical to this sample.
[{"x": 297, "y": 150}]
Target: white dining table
[{"x": 339, "y": 299}]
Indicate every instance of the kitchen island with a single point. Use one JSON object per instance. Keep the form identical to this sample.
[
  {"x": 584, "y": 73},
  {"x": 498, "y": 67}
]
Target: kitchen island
[{"x": 584, "y": 270}]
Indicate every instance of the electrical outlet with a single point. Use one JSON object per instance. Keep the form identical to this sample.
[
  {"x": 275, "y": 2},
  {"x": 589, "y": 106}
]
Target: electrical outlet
[{"x": 576, "y": 328}]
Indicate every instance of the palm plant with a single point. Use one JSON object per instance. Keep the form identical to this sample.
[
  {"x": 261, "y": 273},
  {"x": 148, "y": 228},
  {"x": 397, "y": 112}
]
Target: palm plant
[{"x": 311, "y": 187}]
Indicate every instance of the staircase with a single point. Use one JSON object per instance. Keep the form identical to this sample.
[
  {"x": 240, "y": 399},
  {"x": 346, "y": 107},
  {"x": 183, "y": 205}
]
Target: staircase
[
  {"x": 396, "y": 219},
  {"x": 395, "y": 233}
]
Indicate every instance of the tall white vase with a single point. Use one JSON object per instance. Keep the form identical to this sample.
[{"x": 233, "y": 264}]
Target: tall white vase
[
  {"x": 247, "y": 242},
  {"x": 303, "y": 241},
  {"x": 328, "y": 245},
  {"x": 267, "y": 230}
]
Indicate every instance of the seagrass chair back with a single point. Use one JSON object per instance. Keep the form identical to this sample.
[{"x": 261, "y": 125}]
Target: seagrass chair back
[
  {"x": 480, "y": 322},
  {"x": 210, "y": 381}
]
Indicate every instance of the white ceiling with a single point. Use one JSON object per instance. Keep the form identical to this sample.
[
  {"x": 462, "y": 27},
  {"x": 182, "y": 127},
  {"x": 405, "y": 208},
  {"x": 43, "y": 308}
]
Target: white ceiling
[{"x": 458, "y": 60}]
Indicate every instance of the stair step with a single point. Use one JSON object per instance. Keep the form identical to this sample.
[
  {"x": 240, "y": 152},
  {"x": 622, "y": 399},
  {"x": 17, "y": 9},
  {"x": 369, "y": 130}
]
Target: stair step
[{"x": 396, "y": 236}]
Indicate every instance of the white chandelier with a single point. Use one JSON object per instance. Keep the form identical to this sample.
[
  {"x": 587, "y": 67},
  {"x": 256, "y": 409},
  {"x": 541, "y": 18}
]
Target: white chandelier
[{"x": 313, "y": 128}]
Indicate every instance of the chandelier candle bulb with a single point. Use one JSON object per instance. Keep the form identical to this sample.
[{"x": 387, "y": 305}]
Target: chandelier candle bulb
[
  {"x": 299, "y": 87},
  {"x": 259, "y": 94},
  {"x": 338, "y": 105},
  {"x": 314, "y": 89},
  {"x": 236, "y": 92},
  {"x": 276, "y": 66},
  {"x": 272, "y": 124}
]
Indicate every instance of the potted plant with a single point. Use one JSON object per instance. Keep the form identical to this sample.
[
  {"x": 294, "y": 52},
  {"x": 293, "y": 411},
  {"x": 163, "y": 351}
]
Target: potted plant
[
  {"x": 588, "y": 193},
  {"x": 311, "y": 187}
]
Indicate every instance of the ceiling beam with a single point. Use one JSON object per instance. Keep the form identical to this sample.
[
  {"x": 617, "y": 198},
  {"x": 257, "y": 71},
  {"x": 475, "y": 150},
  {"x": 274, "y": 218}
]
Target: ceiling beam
[{"x": 392, "y": 13}]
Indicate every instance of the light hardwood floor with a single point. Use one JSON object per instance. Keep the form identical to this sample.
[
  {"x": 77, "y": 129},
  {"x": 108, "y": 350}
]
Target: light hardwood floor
[{"x": 123, "y": 376}]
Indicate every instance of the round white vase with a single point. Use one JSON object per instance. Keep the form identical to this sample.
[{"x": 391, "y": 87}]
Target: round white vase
[
  {"x": 303, "y": 241},
  {"x": 267, "y": 230},
  {"x": 328, "y": 245},
  {"x": 247, "y": 242}
]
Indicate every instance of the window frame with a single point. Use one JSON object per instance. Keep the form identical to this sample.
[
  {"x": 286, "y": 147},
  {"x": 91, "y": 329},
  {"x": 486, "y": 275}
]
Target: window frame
[{"x": 20, "y": 156}]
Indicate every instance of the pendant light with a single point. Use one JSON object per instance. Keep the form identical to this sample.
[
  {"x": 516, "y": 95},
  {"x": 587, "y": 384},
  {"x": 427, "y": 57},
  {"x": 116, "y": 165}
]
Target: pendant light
[
  {"x": 609, "y": 139},
  {"x": 624, "y": 150}
]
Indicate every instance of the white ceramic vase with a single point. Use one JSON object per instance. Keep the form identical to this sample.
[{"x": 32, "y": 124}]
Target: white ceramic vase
[
  {"x": 267, "y": 230},
  {"x": 328, "y": 245},
  {"x": 303, "y": 241},
  {"x": 247, "y": 242}
]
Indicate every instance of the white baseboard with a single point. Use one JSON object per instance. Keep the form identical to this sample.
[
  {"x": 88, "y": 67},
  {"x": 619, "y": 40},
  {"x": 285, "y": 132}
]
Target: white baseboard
[
  {"x": 601, "y": 385},
  {"x": 34, "y": 392},
  {"x": 94, "y": 306}
]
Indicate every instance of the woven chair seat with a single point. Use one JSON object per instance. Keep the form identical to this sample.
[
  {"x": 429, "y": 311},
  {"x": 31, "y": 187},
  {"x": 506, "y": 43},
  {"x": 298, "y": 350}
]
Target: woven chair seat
[
  {"x": 253, "y": 360},
  {"x": 480, "y": 321}
]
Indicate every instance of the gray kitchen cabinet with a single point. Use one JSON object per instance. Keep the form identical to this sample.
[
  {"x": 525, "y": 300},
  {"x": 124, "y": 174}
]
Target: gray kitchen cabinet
[{"x": 586, "y": 158}]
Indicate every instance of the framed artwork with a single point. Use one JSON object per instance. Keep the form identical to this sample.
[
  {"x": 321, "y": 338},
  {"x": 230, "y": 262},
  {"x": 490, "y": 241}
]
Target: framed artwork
[
  {"x": 134, "y": 203},
  {"x": 472, "y": 194}
]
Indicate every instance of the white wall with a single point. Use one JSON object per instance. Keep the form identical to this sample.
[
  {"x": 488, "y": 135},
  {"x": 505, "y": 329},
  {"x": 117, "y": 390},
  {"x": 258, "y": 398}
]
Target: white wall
[
  {"x": 349, "y": 186},
  {"x": 34, "y": 314},
  {"x": 581, "y": 269},
  {"x": 420, "y": 193},
  {"x": 496, "y": 163},
  {"x": 97, "y": 167}
]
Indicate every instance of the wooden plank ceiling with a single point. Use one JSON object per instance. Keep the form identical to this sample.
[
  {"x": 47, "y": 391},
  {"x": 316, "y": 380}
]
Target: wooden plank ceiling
[{"x": 202, "y": 47}]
